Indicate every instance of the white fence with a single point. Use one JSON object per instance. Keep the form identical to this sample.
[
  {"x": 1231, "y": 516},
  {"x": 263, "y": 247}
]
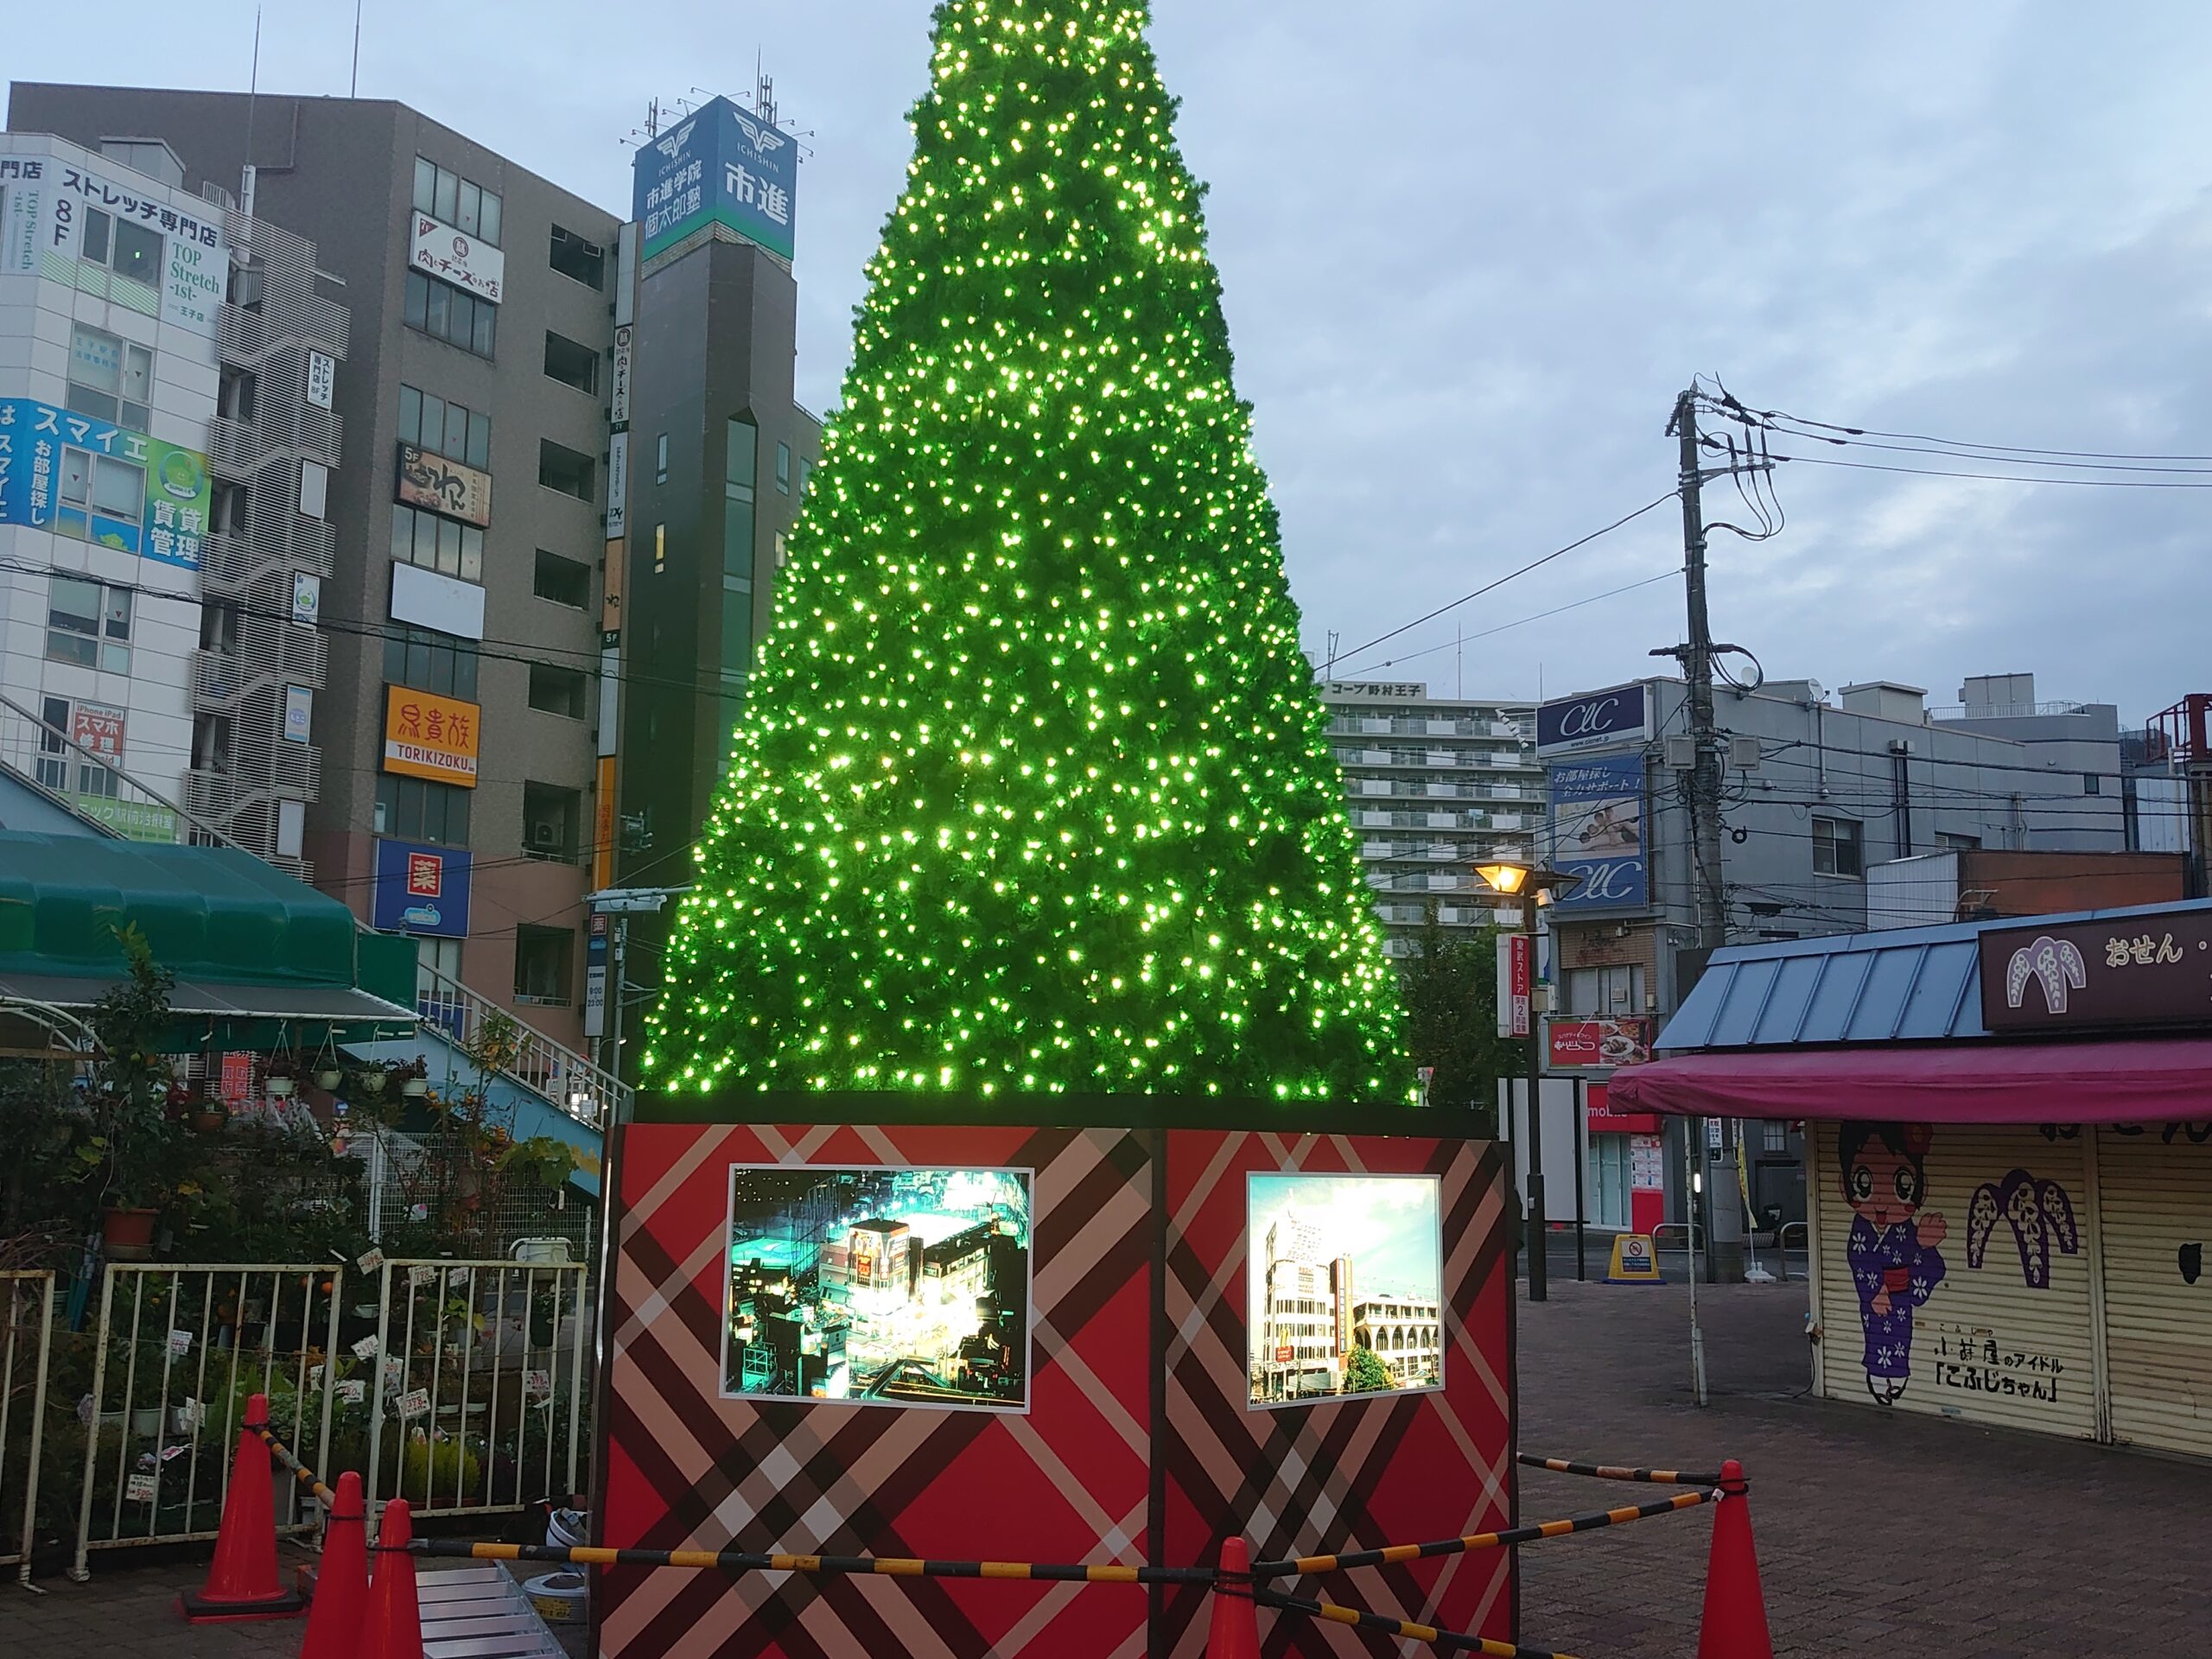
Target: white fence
[{"x": 26, "y": 1348}]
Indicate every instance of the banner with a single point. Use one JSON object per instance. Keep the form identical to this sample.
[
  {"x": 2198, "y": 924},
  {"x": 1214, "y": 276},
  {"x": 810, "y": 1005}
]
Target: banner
[
  {"x": 1612, "y": 718},
  {"x": 1513, "y": 984},
  {"x": 421, "y": 889},
  {"x": 454, "y": 257},
  {"x": 47, "y": 458},
  {"x": 1598, "y": 832},
  {"x": 1596, "y": 1044},
  {"x": 722, "y": 165},
  {"x": 426, "y": 735},
  {"x": 437, "y": 485}
]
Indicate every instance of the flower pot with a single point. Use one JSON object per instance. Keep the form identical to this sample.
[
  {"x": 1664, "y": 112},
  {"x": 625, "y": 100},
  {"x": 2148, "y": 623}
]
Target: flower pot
[
  {"x": 127, "y": 1235},
  {"x": 328, "y": 1078},
  {"x": 372, "y": 1081},
  {"x": 277, "y": 1088},
  {"x": 207, "y": 1120},
  {"x": 415, "y": 1088}
]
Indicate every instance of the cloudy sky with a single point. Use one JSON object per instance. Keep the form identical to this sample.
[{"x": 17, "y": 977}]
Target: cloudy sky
[{"x": 1471, "y": 250}]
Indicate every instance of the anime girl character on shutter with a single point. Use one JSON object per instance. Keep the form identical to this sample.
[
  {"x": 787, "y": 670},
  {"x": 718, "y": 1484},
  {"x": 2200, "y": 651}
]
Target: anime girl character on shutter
[{"x": 1895, "y": 1266}]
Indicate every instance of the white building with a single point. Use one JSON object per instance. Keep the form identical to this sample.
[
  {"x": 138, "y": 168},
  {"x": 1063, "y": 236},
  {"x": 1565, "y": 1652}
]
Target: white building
[
  {"x": 1405, "y": 1332},
  {"x": 112, "y": 288},
  {"x": 1434, "y": 783}
]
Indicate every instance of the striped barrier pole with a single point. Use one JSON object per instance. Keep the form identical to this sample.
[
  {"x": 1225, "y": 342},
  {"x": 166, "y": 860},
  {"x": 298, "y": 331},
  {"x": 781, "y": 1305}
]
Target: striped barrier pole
[
  {"x": 1505, "y": 1538},
  {"x": 736, "y": 1560},
  {"x": 1615, "y": 1471},
  {"x": 1448, "y": 1640}
]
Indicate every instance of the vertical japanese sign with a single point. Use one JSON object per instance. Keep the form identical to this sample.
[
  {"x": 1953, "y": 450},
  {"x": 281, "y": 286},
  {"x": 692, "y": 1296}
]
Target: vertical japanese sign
[
  {"x": 722, "y": 166},
  {"x": 1513, "y": 984},
  {"x": 595, "y": 979}
]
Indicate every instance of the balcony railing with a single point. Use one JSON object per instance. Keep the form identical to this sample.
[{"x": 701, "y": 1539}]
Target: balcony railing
[{"x": 544, "y": 1066}]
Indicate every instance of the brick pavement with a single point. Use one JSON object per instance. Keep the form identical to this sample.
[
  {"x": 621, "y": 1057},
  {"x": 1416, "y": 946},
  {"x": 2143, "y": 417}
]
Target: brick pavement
[{"x": 1877, "y": 1534}]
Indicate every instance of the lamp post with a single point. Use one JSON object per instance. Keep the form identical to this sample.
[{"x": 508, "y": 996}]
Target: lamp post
[{"x": 1512, "y": 878}]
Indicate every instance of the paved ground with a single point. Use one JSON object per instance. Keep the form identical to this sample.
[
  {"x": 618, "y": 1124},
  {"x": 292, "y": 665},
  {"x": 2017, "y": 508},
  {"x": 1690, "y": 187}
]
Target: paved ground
[{"x": 1877, "y": 1534}]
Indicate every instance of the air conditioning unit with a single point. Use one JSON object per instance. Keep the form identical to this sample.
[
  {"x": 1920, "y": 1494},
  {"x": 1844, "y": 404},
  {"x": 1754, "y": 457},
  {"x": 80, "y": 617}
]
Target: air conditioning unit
[
  {"x": 1680, "y": 752},
  {"x": 545, "y": 833}
]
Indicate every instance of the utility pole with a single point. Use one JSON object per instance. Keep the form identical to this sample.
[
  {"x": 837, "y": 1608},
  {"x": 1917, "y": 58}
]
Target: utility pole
[
  {"x": 622, "y": 903},
  {"x": 1724, "y": 1230}
]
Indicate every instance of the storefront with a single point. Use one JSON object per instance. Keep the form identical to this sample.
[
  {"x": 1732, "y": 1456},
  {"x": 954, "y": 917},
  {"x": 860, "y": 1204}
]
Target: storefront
[{"x": 2010, "y": 1148}]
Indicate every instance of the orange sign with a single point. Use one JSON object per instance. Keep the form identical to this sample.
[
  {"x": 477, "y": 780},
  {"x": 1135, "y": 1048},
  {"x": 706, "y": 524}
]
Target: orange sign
[
  {"x": 426, "y": 735},
  {"x": 602, "y": 826}
]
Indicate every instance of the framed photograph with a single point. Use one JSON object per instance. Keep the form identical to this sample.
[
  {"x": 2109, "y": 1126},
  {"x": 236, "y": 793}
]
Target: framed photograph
[
  {"x": 1345, "y": 1287},
  {"x": 879, "y": 1286}
]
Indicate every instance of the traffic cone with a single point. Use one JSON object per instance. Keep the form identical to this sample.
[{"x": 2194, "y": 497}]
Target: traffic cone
[
  {"x": 342, "y": 1584},
  {"x": 1734, "y": 1625},
  {"x": 1233, "y": 1632},
  {"x": 242, "y": 1580},
  {"x": 393, "y": 1629}
]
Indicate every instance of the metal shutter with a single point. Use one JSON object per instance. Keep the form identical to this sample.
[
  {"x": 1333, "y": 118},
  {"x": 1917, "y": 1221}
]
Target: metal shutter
[
  {"x": 2155, "y": 1199},
  {"x": 1988, "y": 1347}
]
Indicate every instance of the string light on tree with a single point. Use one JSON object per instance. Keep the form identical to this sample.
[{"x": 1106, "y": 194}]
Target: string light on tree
[{"x": 1031, "y": 794}]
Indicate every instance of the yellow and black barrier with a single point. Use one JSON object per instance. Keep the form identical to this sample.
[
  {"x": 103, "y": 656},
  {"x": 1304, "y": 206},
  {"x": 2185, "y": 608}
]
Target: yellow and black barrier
[
  {"x": 1447, "y": 1640},
  {"x": 1615, "y": 1471},
  {"x": 282, "y": 1453},
  {"x": 736, "y": 1560},
  {"x": 1502, "y": 1539}
]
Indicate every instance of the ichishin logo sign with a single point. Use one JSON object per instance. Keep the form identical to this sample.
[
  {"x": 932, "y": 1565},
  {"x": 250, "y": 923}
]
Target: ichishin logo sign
[
  {"x": 1596, "y": 720},
  {"x": 723, "y": 166},
  {"x": 1598, "y": 832}
]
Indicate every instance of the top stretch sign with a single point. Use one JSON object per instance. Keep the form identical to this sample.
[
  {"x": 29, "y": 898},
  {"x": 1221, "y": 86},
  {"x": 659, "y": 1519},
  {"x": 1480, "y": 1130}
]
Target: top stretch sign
[
  {"x": 1595, "y": 720},
  {"x": 720, "y": 165}
]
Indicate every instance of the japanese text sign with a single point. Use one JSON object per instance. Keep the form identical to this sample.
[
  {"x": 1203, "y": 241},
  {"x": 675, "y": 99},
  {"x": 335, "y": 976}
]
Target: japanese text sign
[
  {"x": 99, "y": 729},
  {"x": 1598, "y": 831},
  {"x": 1596, "y": 1044},
  {"x": 426, "y": 735},
  {"x": 437, "y": 485},
  {"x": 421, "y": 890},
  {"x": 454, "y": 257},
  {"x": 45, "y": 452},
  {"x": 46, "y": 233},
  {"x": 722, "y": 165},
  {"x": 1513, "y": 979},
  {"x": 2153, "y": 968}
]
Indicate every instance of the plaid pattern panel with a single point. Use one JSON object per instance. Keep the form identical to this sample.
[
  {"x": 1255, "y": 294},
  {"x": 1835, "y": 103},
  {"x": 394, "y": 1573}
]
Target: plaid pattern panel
[
  {"x": 1325, "y": 1479},
  {"x": 1066, "y": 1481}
]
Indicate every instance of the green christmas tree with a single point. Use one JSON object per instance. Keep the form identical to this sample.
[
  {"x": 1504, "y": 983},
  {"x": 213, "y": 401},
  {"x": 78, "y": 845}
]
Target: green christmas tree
[{"x": 1030, "y": 793}]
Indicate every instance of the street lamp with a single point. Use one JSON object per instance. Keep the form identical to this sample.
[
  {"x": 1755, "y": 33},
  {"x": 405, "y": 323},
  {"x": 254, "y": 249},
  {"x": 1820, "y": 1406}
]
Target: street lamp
[{"x": 1512, "y": 878}]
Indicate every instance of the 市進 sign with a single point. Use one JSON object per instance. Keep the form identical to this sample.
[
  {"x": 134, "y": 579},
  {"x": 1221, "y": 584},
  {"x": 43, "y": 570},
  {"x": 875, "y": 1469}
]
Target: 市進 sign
[
  {"x": 421, "y": 889},
  {"x": 1596, "y": 1044},
  {"x": 426, "y": 735},
  {"x": 39, "y": 475},
  {"x": 455, "y": 256},
  {"x": 720, "y": 166},
  {"x": 2152, "y": 969},
  {"x": 1598, "y": 831},
  {"x": 1595, "y": 720},
  {"x": 438, "y": 484}
]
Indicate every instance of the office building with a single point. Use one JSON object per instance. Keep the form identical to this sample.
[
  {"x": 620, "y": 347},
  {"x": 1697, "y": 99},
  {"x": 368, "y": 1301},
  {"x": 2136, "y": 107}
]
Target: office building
[
  {"x": 1405, "y": 1332},
  {"x": 1434, "y": 785}
]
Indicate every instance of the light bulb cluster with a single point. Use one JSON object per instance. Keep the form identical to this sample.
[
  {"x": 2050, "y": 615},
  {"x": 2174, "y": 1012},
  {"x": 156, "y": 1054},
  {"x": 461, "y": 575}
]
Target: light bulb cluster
[{"x": 1030, "y": 793}]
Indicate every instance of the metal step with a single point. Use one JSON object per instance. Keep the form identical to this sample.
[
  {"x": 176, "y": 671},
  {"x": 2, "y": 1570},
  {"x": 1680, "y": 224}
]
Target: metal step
[{"x": 481, "y": 1613}]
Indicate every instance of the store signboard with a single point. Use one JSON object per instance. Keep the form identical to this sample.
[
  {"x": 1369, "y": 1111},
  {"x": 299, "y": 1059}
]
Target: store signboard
[
  {"x": 720, "y": 165},
  {"x": 1615, "y": 718},
  {"x": 2149, "y": 968},
  {"x": 47, "y": 460},
  {"x": 426, "y": 735},
  {"x": 1598, "y": 1046},
  {"x": 1597, "y": 829},
  {"x": 454, "y": 257},
  {"x": 1514, "y": 981},
  {"x": 50, "y": 202},
  {"x": 421, "y": 889},
  {"x": 436, "y": 484}
]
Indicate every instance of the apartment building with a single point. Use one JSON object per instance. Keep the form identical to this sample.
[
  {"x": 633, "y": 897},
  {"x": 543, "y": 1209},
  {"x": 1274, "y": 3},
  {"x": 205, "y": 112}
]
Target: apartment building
[
  {"x": 439, "y": 734},
  {"x": 1433, "y": 785}
]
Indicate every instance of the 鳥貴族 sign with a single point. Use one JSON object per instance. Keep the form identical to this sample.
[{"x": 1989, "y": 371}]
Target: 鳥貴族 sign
[
  {"x": 1613, "y": 718},
  {"x": 2151, "y": 969},
  {"x": 426, "y": 735},
  {"x": 421, "y": 889},
  {"x": 722, "y": 165}
]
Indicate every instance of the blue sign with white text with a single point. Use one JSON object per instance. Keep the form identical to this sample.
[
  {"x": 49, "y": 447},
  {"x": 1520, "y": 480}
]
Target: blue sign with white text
[
  {"x": 719, "y": 165},
  {"x": 1598, "y": 832},
  {"x": 1595, "y": 720},
  {"x": 421, "y": 889}
]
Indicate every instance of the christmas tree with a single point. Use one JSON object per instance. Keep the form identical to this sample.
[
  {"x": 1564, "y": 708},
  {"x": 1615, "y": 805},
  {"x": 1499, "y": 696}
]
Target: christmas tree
[{"x": 1030, "y": 793}]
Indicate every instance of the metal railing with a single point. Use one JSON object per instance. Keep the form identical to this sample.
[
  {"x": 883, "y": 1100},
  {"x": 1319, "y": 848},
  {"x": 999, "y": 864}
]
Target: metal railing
[
  {"x": 26, "y": 1349},
  {"x": 60, "y": 767},
  {"x": 178, "y": 1352},
  {"x": 583, "y": 1091},
  {"x": 477, "y": 1371},
  {"x": 1781, "y": 1245}
]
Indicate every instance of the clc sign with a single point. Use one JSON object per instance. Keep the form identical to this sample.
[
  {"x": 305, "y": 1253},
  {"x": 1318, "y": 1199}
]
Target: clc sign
[{"x": 1595, "y": 720}]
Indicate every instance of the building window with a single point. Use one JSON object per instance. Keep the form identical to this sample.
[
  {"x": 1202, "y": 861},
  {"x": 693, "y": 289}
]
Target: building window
[
  {"x": 53, "y": 770},
  {"x": 1838, "y": 849},
  {"x": 571, "y": 363},
  {"x": 542, "y": 958},
  {"x": 1775, "y": 1136},
  {"x": 562, "y": 468},
  {"x": 740, "y": 460},
  {"x": 577, "y": 259},
  {"x": 467, "y": 208},
  {"x": 565, "y": 581},
  {"x": 445, "y": 545},
  {"x": 89, "y": 623},
  {"x": 453, "y": 314},
  {"x": 660, "y": 548},
  {"x": 127, "y": 248},
  {"x": 1947, "y": 843},
  {"x": 424, "y": 661},
  {"x": 110, "y": 379},
  {"x": 784, "y": 467},
  {"x": 660, "y": 459},
  {"x": 557, "y": 690},
  {"x": 438, "y": 428},
  {"x": 550, "y": 818},
  {"x": 2093, "y": 783},
  {"x": 102, "y": 500},
  {"x": 417, "y": 809},
  {"x": 805, "y": 475}
]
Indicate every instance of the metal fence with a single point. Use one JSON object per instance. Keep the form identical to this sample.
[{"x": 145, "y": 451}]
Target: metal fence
[
  {"x": 26, "y": 1348},
  {"x": 477, "y": 1378}
]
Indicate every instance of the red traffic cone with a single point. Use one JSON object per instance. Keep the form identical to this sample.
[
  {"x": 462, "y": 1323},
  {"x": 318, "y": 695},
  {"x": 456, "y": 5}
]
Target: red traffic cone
[
  {"x": 1734, "y": 1625},
  {"x": 1233, "y": 1632},
  {"x": 393, "y": 1629},
  {"x": 242, "y": 1581},
  {"x": 341, "y": 1585}
]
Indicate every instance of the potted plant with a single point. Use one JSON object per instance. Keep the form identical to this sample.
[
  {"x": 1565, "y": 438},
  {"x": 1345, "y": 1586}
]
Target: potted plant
[
  {"x": 206, "y": 1115},
  {"x": 329, "y": 1074},
  {"x": 414, "y": 1080},
  {"x": 280, "y": 1076},
  {"x": 370, "y": 1079},
  {"x": 127, "y": 1135}
]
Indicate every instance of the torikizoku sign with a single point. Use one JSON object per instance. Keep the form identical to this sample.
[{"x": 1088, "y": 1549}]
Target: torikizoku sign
[{"x": 720, "y": 165}]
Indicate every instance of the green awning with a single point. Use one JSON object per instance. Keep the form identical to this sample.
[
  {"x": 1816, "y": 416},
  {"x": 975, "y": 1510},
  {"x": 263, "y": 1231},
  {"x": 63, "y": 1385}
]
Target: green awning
[{"x": 259, "y": 956}]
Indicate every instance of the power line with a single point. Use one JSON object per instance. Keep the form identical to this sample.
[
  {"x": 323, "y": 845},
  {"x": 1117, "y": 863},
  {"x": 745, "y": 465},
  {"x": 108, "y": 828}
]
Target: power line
[
  {"x": 1997, "y": 478},
  {"x": 1431, "y": 650}
]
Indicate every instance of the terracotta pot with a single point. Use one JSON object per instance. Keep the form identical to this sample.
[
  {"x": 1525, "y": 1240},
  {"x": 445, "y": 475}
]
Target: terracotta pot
[
  {"x": 128, "y": 1235},
  {"x": 207, "y": 1120}
]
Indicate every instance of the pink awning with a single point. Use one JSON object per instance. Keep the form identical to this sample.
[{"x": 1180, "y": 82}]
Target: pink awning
[{"x": 2154, "y": 1080}]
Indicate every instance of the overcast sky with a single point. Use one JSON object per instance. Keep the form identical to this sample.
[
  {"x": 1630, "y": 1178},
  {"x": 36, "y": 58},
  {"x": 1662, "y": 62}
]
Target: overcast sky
[{"x": 1471, "y": 250}]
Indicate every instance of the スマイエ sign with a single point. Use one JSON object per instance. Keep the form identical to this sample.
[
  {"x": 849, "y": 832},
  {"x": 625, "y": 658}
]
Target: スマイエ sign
[
  {"x": 55, "y": 475},
  {"x": 1594, "y": 720}
]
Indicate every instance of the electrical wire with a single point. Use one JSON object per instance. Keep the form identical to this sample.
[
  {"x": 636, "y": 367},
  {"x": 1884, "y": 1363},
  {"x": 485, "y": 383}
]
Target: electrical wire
[
  {"x": 1999, "y": 478},
  {"x": 1431, "y": 650}
]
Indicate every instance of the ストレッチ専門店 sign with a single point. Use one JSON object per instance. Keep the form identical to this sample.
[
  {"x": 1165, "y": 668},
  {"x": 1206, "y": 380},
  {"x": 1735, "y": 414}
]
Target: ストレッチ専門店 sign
[{"x": 2152, "y": 969}]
